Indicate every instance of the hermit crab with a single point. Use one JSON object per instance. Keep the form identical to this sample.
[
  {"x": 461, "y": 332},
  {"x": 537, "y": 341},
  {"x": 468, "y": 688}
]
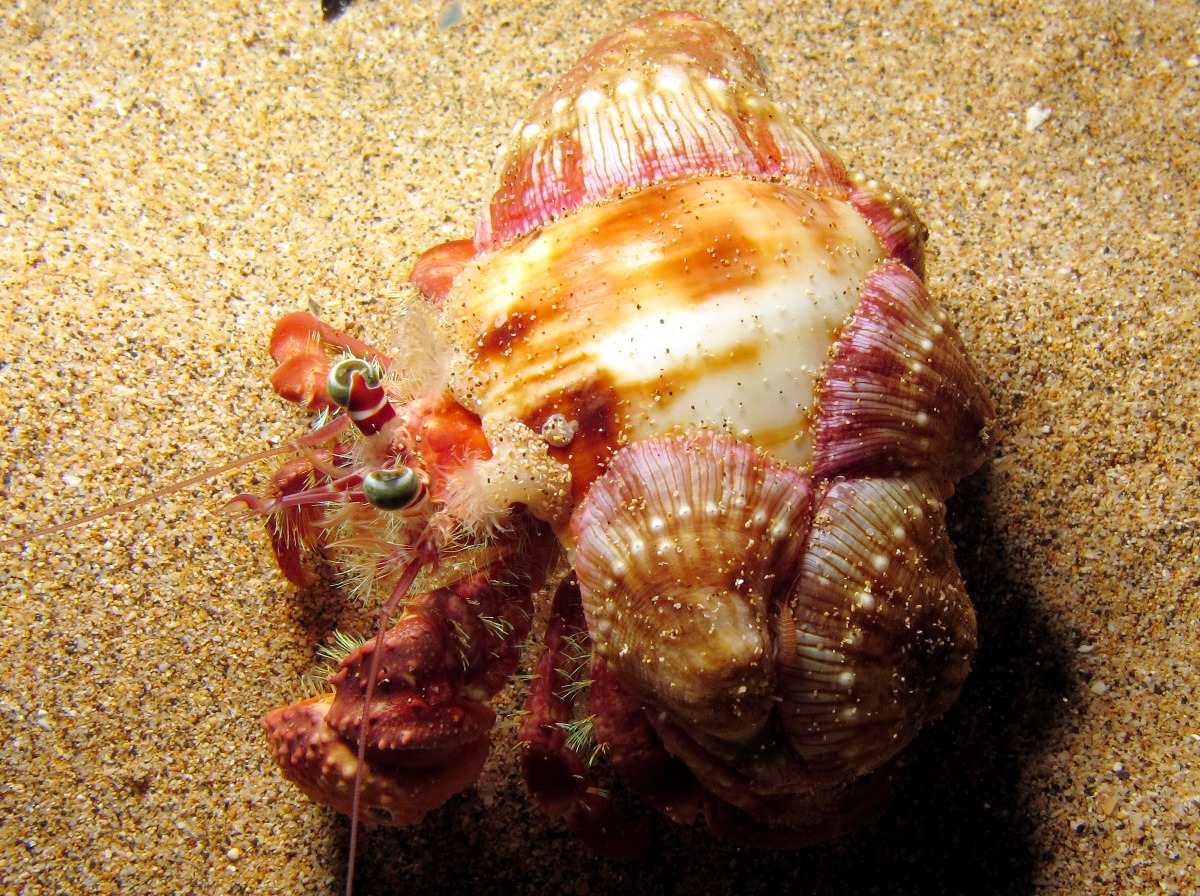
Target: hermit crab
[{"x": 687, "y": 375}]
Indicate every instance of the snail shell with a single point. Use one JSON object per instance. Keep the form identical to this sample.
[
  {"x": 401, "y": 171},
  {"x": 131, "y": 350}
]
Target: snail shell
[{"x": 704, "y": 353}]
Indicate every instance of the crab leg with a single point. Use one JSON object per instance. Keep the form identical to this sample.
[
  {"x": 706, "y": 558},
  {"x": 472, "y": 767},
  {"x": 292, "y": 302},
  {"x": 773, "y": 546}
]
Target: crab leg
[
  {"x": 637, "y": 753},
  {"x": 555, "y": 773}
]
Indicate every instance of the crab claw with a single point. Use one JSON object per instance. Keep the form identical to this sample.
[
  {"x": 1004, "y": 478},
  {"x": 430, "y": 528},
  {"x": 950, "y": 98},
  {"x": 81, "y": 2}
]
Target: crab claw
[
  {"x": 300, "y": 345},
  {"x": 426, "y": 728},
  {"x": 323, "y": 765}
]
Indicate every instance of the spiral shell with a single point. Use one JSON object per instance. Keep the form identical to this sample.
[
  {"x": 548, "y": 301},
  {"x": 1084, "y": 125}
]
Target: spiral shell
[
  {"x": 765, "y": 409},
  {"x": 712, "y": 302},
  {"x": 667, "y": 250}
]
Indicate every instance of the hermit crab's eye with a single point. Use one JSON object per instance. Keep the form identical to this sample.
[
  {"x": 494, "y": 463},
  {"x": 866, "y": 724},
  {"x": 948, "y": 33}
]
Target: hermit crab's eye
[
  {"x": 392, "y": 489},
  {"x": 341, "y": 378}
]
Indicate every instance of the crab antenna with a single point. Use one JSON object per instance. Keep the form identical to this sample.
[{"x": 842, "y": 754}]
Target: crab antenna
[
  {"x": 313, "y": 438},
  {"x": 426, "y": 553}
]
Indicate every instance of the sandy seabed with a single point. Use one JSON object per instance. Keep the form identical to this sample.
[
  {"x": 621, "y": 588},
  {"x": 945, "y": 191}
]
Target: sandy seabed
[{"x": 175, "y": 176}]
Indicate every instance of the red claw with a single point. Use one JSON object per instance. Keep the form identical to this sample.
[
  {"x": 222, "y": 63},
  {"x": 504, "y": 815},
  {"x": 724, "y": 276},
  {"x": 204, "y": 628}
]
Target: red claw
[
  {"x": 316, "y": 759},
  {"x": 427, "y": 727},
  {"x": 435, "y": 270},
  {"x": 300, "y": 345}
]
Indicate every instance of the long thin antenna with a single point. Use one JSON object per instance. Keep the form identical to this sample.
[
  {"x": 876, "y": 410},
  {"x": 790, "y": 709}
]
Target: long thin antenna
[
  {"x": 420, "y": 560},
  {"x": 313, "y": 438}
]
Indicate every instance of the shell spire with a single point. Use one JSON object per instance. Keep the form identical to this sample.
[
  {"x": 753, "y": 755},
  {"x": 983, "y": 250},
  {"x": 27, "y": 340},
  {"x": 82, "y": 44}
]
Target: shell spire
[{"x": 669, "y": 95}]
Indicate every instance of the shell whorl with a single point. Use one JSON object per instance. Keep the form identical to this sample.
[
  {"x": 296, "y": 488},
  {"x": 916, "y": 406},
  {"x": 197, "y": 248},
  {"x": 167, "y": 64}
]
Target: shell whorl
[
  {"x": 698, "y": 289},
  {"x": 680, "y": 548},
  {"x": 670, "y": 95}
]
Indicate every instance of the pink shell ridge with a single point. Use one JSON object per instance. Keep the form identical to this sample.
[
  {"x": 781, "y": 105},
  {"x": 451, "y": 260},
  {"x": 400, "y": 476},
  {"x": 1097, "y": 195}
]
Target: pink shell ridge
[
  {"x": 670, "y": 95},
  {"x": 900, "y": 393}
]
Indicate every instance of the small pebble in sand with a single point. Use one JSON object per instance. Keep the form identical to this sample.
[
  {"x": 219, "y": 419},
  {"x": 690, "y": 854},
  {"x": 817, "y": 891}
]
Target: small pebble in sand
[{"x": 1035, "y": 117}]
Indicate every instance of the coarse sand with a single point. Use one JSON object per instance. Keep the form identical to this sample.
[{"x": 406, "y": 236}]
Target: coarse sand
[{"x": 176, "y": 176}]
